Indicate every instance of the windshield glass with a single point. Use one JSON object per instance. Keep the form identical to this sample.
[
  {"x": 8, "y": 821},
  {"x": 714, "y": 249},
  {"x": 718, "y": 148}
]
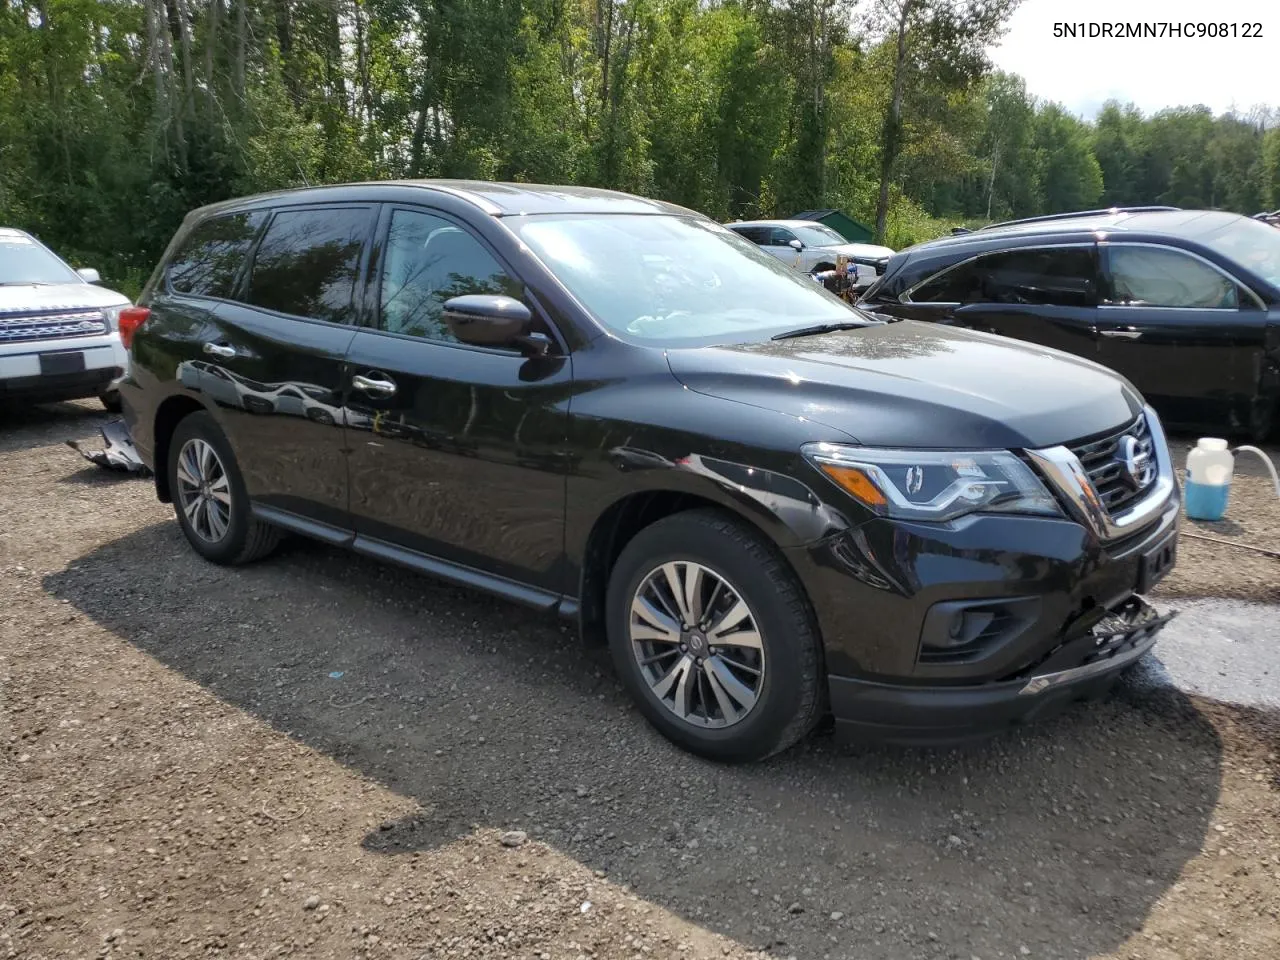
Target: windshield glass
[
  {"x": 22, "y": 260},
  {"x": 819, "y": 236},
  {"x": 1250, "y": 243},
  {"x": 674, "y": 279}
]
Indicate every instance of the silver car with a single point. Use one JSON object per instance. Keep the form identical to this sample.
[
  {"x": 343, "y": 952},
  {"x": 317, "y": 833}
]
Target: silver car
[
  {"x": 59, "y": 331},
  {"x": 810, "y": 246}
]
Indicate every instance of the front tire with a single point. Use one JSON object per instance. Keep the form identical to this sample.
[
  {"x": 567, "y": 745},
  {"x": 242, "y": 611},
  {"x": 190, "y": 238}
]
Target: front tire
[
  {"x": 111, "y": 400},
  {"x": 210, "y": 498},
  {"x": 713, "y": 636}
]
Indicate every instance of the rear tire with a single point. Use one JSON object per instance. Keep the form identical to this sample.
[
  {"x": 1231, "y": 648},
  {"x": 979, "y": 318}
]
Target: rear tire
[
  {"x": 111, "y": 400},
  {"x": 210, "y": 498},
  {"x": 737, "y": 690}
]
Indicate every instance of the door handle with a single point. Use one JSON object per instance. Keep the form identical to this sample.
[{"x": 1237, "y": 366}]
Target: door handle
[
  {"x": 375, "y": 386},
  {"x": 224, "y": 350},
  {"x": 1122, "y": 334}
]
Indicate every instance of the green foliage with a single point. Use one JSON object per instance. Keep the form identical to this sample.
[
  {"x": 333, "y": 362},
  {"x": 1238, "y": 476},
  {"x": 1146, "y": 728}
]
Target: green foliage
[{"x": 118, "y": 117}]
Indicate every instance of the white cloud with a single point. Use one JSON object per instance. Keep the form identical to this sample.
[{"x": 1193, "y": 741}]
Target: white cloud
[{"x": 1154, "y": 73}]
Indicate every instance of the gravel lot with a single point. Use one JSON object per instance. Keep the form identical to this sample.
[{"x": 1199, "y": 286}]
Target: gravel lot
[{"x": 319, "y": 756}]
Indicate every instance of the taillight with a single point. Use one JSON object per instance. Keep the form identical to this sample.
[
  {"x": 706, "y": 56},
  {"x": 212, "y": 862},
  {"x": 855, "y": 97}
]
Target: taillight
[{"x": 131, "y": 318}]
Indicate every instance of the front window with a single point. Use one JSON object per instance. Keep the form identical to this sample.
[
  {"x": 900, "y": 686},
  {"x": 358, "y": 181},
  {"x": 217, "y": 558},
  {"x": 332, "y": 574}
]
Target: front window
[
  {"x": 677, "y": 279},
  {"x": 24, "y": 261},
  {"x": 1250, "y": 243},
  {"x": 819, "y": 236},
  {"x": 1143, "y": 276}
]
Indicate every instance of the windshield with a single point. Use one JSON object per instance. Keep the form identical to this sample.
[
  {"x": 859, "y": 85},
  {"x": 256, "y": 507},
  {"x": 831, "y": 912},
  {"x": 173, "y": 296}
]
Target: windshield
[
  {"x": 819, "y": 236},
  {"x": 1250, "y": 243},
  {"x": 677, "y": 279},
  {"x": 22, "y": 260}
]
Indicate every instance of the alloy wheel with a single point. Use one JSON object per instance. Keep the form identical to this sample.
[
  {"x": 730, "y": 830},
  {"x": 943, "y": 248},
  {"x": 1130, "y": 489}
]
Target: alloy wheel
[
  {"x": 697, "y": 644},
  {"x": 204, "y": 491}
]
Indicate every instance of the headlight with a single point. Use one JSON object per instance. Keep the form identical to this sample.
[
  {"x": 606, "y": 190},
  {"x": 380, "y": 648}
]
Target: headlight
[
  {"x": 933, "y": 484},
  {"x": 113, "y": 316}
]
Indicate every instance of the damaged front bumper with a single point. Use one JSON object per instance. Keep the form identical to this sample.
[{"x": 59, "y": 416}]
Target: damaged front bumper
[
  {"x": 118, "y": 452},
  {"x": 1083, "y": 668}
]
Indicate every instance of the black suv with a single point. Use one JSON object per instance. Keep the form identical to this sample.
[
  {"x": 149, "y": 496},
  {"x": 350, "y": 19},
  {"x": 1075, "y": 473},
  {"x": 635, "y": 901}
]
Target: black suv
[
  {"x": 773, "y": 506},
  {"x": 1184, "y": 303}
]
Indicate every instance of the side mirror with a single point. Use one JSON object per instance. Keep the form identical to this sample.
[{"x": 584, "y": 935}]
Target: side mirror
[
  {"x": 89, "y": 275},
  {"x": 796, "y": 245},
  {"x": 487, "y": 320}
]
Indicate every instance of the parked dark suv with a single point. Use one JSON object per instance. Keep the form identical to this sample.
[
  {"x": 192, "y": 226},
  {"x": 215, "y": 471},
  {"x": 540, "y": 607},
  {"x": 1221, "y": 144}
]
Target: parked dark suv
[
  {"x": 772, "y": 505},
  {"x": 1184, "y": 303}
]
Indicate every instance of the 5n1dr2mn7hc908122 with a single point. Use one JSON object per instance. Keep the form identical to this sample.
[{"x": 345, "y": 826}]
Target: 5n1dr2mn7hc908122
[{"x": 771, "y": 506}]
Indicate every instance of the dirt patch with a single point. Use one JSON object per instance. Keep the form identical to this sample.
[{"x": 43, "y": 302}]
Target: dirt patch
[{"x": 319, "y": 756}]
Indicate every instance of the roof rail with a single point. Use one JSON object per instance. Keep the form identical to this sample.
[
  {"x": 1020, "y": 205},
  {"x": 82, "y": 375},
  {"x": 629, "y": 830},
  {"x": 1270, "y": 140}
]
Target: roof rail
[{"x": 1080, "y": 213}]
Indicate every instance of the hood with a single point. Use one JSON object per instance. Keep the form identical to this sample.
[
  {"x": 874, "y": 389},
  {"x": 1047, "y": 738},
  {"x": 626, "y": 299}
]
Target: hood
[
  {"x": 49, "y": 298},
  {"x": 910, "y": 384},
  {"x": 863, "y": 251}
]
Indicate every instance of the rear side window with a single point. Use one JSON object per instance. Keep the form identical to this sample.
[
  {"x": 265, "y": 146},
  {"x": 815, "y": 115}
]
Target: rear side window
[
  {"x": 757, "y": 235},
  {"x": 207, "y": 263},
  {"x": 307, "y": 262},
  {"x": 1061, "y": 276}
]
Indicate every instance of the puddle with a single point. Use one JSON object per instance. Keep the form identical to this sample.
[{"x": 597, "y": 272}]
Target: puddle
[{"x": 1225, "y": 649}]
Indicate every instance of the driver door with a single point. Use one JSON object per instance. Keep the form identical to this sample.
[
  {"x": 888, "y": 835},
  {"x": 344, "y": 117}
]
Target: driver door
[
  {"x": 1184, "y": 332},
  {"x": 455, "y": 450},
  {"x": 778, "y": 243}
]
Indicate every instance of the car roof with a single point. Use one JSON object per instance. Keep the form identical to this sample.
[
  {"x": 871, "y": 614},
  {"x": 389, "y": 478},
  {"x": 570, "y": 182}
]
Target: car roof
[
  {"x": 14, "y": 232},
  {"x": 496, "y": 199},
  {"x": 1175, "y": 223},
  {"x": 776, "y": 223}
]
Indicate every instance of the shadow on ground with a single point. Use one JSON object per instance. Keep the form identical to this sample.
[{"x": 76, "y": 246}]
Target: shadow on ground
[
  {"x": 1059, "y": 838},
  {"x": 24, "y": 426}
]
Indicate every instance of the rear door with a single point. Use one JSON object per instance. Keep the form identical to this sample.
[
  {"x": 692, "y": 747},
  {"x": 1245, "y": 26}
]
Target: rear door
[
  {"x": 273, "y": 358},
  {"x": 1044, "y": 295},
  {"x": 1184, "y": 331},
  {"x": 455, "y": 449}
]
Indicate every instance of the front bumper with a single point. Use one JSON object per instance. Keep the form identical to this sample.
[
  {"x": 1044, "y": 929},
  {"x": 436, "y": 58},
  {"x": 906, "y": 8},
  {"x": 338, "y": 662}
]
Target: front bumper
[
  {"x": 106, "y": 362},
  {"x": 935, "y": 715},
  {"x": 885, "y": 592}
]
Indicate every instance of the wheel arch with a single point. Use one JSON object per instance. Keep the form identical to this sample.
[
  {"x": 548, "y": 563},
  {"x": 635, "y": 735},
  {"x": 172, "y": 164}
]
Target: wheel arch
[
  {"x": 632, "y": 512},
  {"x": 169, "y": 414}
]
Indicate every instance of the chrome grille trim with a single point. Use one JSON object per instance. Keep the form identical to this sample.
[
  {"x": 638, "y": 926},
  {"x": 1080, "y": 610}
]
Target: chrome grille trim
[
  {"x": 52, "y": 326},
  {"x": 1063, "y": 468}
]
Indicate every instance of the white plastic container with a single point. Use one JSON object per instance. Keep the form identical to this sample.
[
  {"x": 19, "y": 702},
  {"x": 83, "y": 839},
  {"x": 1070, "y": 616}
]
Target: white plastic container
[{"x": 1210, "y": 466}]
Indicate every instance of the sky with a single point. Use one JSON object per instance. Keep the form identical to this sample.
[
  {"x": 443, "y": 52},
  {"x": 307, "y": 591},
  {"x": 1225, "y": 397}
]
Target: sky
[{"x": 1154, "y": 73}]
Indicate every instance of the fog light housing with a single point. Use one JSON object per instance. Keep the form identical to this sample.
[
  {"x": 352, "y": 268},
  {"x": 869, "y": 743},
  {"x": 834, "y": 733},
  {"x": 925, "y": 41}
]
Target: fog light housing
[{"x": 965, "y": 631}]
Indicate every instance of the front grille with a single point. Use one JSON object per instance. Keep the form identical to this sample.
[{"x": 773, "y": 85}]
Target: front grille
[
  {"x": 52, "y": 326},
  {"x": 1103, "y": 460}
]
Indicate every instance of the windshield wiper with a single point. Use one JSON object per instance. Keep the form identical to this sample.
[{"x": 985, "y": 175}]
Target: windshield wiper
[{"x": 820, "y": 328}]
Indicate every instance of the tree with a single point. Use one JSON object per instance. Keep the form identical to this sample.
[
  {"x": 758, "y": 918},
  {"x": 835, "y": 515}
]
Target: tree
[{"x": 942, "y": 41}]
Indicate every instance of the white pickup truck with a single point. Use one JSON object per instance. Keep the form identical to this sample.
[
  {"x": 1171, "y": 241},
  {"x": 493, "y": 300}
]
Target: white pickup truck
[{"x": 59, "y": 331}]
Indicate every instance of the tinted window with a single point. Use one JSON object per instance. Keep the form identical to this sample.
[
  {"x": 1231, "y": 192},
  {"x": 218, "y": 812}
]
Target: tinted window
[
  {"x": 306, "y": 264},
  {"x": 429, "y": 260},
  {"x": 1062, "y": 277},
  {"x": 780, "y": 237},
  {"x": 1156, "y": 277},
  {"x": 757, "y": 235},
  {"x": 207, "y": 263}
]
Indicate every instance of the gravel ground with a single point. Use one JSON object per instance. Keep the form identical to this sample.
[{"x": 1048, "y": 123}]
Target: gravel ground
[{"x": 319, "y": 756}]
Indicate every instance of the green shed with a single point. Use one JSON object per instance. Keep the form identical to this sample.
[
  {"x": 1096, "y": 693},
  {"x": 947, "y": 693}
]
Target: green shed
[{"x": 843, "y": 224}]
